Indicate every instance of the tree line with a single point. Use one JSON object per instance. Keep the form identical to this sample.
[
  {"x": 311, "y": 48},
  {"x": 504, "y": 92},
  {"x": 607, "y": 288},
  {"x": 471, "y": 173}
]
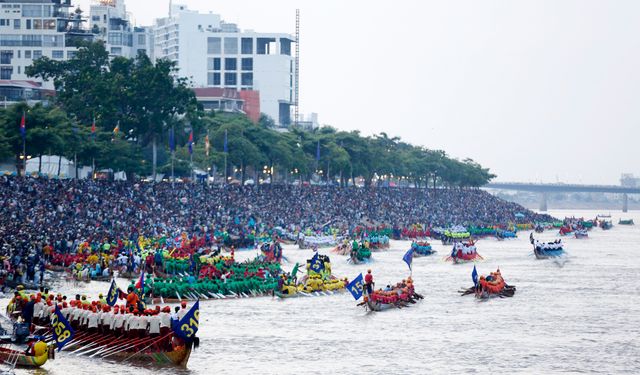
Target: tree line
[{"x": 119, "y": 113}]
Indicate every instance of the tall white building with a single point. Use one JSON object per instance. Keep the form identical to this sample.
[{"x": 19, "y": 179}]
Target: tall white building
[
  {"x": 213, "y": 53},
  {"x": 110, "y": 22},
  {"x": 30, "y": 29}
]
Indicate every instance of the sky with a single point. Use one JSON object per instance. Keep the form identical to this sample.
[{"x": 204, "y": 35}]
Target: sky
[{"x": 538, "y": 91}]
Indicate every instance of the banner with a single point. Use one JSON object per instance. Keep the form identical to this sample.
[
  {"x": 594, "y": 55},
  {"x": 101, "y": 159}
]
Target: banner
[
  {"x": 317, "y": 265},
  {"x": 62, "y": 331},
  {"x": 114, "y": 293},
  {"x": 356, "y": 287},
  {"x": 187, "y": 327}
]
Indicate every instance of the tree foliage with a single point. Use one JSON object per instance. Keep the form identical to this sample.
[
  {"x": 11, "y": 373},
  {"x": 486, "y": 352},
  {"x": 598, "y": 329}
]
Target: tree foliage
[{"x": 145, "y": 99}]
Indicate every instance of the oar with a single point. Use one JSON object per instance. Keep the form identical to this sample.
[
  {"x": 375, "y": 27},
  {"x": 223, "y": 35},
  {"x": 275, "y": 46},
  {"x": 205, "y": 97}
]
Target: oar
[
  {"x": 123, "y": 342},
  {"x": 100, "y": 345},
  {"x": 127, "y": 347},
  {"x": 119, "y": 343},
  {"x": 81, "y": 340},
  {"x": 147, "y": 347}
]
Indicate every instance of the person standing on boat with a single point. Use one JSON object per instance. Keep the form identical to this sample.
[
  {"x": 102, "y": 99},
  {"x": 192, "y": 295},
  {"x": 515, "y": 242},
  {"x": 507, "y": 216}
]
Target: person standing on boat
[{"x": 368, "y": 280}]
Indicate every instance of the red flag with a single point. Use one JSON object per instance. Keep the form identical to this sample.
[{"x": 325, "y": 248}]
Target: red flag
[{"x": 93, "y": 126}]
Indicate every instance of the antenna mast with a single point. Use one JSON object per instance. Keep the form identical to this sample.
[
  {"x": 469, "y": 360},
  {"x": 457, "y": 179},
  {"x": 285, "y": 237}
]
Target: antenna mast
[
  {"x": 297, "y": 72},
  {"x": 170, "y": 8}
]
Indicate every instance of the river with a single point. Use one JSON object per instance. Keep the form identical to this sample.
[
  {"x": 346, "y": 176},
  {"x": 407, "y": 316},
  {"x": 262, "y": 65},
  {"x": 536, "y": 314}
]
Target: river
[{"x": 579, "y": 314}]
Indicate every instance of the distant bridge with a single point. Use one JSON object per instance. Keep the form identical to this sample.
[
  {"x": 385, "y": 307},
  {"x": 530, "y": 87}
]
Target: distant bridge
[{"x": 545, "y": 189}]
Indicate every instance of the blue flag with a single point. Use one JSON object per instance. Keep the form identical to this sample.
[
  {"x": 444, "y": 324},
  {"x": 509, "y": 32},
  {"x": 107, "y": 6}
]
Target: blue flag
[
  {"x": 112, "y": 296},
  {"x": 226, "y": 142},
  {"x": 408, "y": 257},
  {"x": 62, "y": 331},
  {"x": 172, "y": 140},
  {"x": 187, "y": 327},
  {"x": 474, "y": 276},
  {"x": 356, "y": 287},
  {"x": 317, "y": 265}
]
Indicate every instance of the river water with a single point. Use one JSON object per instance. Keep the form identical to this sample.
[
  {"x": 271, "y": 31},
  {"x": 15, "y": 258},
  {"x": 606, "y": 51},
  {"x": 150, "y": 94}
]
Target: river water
[{"x": 578, "y": 314}]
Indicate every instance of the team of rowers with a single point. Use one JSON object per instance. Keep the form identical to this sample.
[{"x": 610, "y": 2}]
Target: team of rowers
[{"x": 131, "y": 319}]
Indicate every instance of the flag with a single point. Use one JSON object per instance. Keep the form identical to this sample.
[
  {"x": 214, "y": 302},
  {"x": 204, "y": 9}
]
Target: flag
[
  {"x": 187, "y": 327},
  {"x": 317, "y": 265},
  {"x": 408, "y": 257},
  {"x": 140, "y": 283},
  {"x": 116, "y": 130},
  {"x": 226, "y": 142},
  {"x": 62, "y": 331},
  {"x": 172, "y": 140},
  {"x": 113, "y": 294},
  {"x": 191, "y": 143},
  {"x": 207, "y": 145},
  {"x": 93, "y": 128},
  {"x": 474, "y": 275},
  {"x": 23, "y": 126},
  {"x": 318, "y": 151},
  {"x": 356, "y": 287}
]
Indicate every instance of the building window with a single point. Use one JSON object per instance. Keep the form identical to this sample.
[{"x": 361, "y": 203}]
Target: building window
[
  {"x": 37, "y": 54},
  {"x": 32, "y": 40},
  {"x": 230, "y": 64},
  {"x": 71, "y": 54},
  {"x": 49, "y": 24},
  {"x": 27, "y": 54},
  {"x": 247, "y": 46},
  {"x": 6, "y": 72},
  {"x": 247, "y": 64},
  {"x": 230, "y": 79},
  {"x": 142, "y": 39},
  {"x": 10, "y": 40},
  {"x": 16, "y": 24},
  {"x": 28, "y": 24},
  {"x": 95, "y": 18},
  {"x": 52, "y": 41},
  {"x": 115, "y": 39},
  {"x": 214, "y": 46},
  {"x": 213, "y": 63},
  {"x": 285, "y": 47},
  {"x": 32, "y": 10},
  {"x": 230, "y": 46},
  {"x": 57, "y": 54},
  {"x": 37, "y": 24},
  {"x": 47, "y": 11},
  {"x": 213, "y": 79},
  {"x": 116, "y": 51},
  {"x": 247, "y": 79},
  {"x": 5, "y": 57}
]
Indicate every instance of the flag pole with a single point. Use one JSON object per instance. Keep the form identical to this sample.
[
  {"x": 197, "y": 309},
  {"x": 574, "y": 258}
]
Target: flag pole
[
  {"x": 24, "y": 154},
  {"x": 24, "y": 142},
  {"x": 173, "y": 154}
]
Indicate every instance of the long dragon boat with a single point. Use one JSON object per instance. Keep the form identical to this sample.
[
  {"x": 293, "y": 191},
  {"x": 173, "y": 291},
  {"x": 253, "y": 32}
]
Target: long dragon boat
[
  {"x": 548, "y": 250},
  {"x": 490, "y": 286},
  {"x": 398, "y": 296},
  {"x": 129, "y": 349},
  {"x": 422, "y": 248},
  {"x": 33, "y": 357}
]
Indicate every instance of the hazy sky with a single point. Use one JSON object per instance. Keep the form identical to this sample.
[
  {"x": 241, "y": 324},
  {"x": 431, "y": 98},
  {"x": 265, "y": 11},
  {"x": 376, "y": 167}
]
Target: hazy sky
[{"x": 535, "y": 90}]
